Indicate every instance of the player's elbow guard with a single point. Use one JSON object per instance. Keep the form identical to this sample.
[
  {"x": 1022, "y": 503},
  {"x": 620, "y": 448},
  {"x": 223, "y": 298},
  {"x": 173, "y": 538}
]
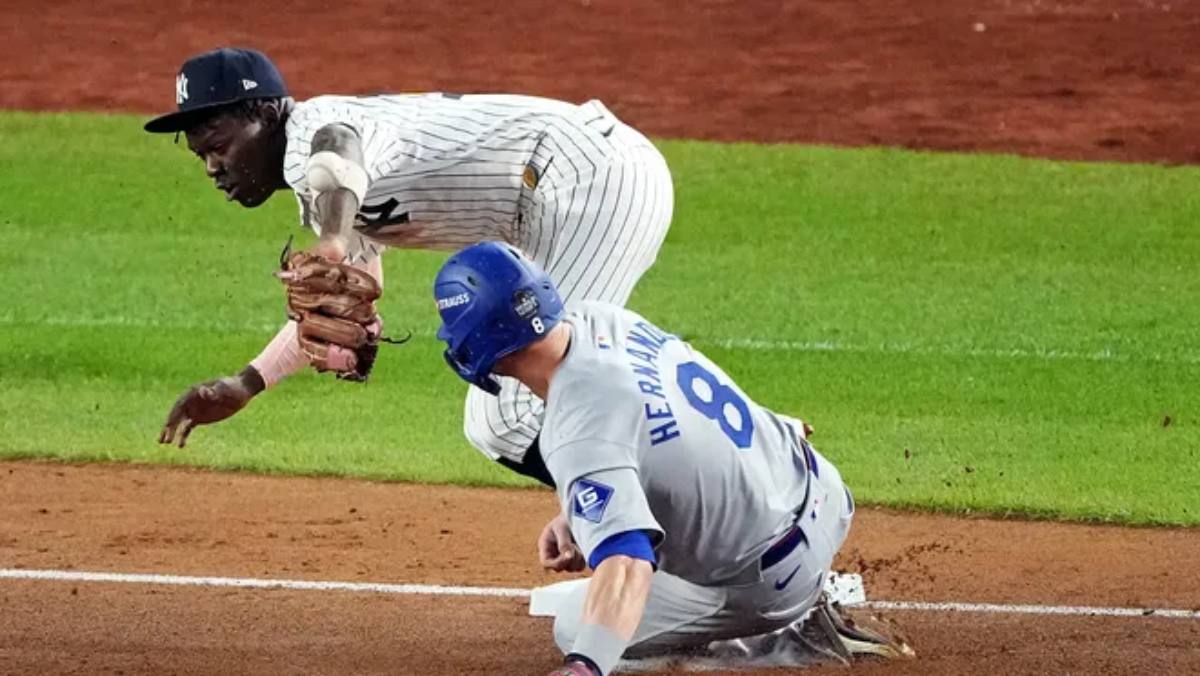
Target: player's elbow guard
[{"x": 329, "y": 171}]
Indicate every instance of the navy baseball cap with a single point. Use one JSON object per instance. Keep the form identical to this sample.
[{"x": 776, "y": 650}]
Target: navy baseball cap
[{"x": 217, "y": 78}]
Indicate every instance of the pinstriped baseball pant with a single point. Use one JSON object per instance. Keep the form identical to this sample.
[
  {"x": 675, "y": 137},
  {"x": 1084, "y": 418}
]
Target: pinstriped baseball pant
[{"x": 594, "y": 221}]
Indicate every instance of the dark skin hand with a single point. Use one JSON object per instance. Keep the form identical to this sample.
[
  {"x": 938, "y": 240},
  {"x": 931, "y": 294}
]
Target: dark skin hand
[{"x": 210, "y": 402}]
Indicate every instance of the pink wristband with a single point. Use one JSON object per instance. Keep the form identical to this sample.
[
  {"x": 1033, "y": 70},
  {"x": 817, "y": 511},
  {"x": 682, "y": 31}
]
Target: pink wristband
[{"x": 282, "y": 356}]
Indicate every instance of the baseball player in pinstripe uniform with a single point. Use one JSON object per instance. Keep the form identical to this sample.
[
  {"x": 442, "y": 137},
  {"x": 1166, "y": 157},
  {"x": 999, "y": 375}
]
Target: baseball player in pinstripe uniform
[
  {"x": 580, "y": 192},
  {"x": 660, "y": 461}
]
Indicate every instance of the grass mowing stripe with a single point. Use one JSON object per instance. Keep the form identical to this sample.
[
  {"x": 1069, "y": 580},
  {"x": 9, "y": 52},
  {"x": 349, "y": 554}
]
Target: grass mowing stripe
[
  {"x": 982, "y": 333},
  {"x": 754, "y": 344},
  {"x": 1052, "y": 354}
]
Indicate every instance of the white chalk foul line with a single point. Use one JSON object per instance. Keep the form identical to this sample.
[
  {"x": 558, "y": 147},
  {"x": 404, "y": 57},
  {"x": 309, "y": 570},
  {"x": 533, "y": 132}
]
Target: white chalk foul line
[
  {"x": 510, "y": 592},
  {"x": 1092, "y": 611},
  {"x": 256, "y": 583}
]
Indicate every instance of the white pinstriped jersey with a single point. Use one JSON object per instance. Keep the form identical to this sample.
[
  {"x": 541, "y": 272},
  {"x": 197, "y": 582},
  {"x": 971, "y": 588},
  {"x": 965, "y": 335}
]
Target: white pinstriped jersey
[
  {"x": 584, "y": 195},
  {"x": 445, "y": 171}
]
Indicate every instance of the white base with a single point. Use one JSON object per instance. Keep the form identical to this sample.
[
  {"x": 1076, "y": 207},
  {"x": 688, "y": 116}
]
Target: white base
[
  {"x": 544, "y": 601},
  {"x": 845, "y": 588}
]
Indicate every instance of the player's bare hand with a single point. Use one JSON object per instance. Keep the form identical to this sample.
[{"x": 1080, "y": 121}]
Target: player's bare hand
[
  {"x": 557, "y": 550},
  {"x": 209, "y": 402}
]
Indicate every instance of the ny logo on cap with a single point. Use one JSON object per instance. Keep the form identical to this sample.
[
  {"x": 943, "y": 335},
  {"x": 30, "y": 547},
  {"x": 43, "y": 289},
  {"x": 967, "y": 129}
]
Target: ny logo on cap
[{"x": 181, "y": 92}]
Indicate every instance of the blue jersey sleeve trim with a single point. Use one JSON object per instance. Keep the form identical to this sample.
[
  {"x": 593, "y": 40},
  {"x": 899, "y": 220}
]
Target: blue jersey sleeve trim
[{"x": 632, "y": 543}]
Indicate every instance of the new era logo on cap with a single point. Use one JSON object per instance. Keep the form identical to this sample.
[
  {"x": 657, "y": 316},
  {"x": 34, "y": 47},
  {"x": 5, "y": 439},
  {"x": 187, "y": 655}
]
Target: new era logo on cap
[{"x": 247, "y": 85}]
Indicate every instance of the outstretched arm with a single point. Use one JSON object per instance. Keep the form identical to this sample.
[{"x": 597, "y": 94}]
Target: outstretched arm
[
  {"x": 337, "y": 177},
  {"x": 338, "y": 180},
  {"x": 617, "y": 595},
  {"x": 215, "y": 400},
  {"x": 613, "y": 609},
  {"x": 602, "y": 498}
]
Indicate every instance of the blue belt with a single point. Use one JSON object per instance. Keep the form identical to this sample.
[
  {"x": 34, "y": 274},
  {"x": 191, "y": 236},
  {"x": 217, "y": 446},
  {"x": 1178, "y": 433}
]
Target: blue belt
[{"x": 783, "y": 546}]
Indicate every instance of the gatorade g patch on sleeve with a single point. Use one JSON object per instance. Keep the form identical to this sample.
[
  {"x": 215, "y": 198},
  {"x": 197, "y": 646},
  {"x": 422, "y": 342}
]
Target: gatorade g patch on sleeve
[{"x": 589, "y": 499}]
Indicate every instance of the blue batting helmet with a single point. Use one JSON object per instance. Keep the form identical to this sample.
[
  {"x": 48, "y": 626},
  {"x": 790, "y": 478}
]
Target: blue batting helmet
[{"x": 493, "y": 301}]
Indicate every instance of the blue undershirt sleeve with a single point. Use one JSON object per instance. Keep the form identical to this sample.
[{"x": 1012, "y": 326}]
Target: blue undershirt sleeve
[{"x": 632, "y": 543}]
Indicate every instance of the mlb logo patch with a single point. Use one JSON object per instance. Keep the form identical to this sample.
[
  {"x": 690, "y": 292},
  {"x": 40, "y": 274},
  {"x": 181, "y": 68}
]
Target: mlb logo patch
[
  {"x": 589, "y": 499},
  {"x": 603, "y": 343},
  {"x": 531, "y": 176}
]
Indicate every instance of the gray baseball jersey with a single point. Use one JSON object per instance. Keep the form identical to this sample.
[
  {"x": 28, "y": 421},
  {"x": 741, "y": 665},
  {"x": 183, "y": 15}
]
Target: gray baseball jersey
[
  {"x": 643, "y": 432},
  {"x": 584, "y": 195}
]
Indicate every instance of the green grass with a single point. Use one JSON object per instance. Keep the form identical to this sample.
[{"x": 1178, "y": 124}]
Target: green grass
[{"x": 967, "y": 333}]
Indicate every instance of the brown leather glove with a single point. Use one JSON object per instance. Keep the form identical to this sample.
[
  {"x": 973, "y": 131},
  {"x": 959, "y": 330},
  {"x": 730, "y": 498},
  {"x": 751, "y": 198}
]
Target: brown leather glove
[{"x": 334, "y": 306}]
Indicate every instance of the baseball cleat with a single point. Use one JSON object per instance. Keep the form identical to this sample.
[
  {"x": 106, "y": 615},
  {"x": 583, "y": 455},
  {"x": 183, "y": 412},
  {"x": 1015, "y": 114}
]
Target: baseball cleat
[
  {"x": 829, "y": 634},
  {"x": 832, "y": 628}
]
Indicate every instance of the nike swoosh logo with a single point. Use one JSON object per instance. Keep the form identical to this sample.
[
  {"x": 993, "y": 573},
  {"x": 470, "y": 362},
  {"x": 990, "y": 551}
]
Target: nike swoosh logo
[{"x": 780, "y": 584}]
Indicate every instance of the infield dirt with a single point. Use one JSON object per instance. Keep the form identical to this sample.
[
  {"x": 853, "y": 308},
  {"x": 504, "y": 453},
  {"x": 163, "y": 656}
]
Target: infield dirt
[
  {"x": 1092, "y": 79},
  {"x": 188, "y": 522}
]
